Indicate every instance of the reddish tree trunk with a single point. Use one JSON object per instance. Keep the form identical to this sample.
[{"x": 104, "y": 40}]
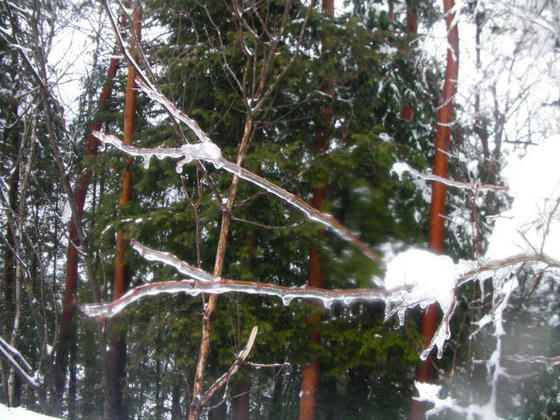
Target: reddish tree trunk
[
  {"x": 310, "y": 376},
  {"x": 445, "y": 118},
  {"x": 241, "y": 403},
  {"x": 407, "y": 112},
  {"x": 117, "y": 358},
  {"x": 412, "y": 16},
  {"x": 66, "y": 334}
]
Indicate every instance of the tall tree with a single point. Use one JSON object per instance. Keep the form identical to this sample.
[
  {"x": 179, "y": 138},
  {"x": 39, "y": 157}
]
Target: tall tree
[
  {"x": 12, "y": 140},
  {"x": 67, "y": 327},
  {"x": 445, "y": 120},
  {"x": 407, "y": 112},
  {"x": 310, "y": 376},
  {"x": 256, "y": 83},
  {"x": 117, "y": 360}
]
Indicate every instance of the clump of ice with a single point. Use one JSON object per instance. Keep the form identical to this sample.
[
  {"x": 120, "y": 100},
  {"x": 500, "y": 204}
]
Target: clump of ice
[
  {"x": 430, "y": 393},
  {"x": 423, "y": 276},
  {"x": 207, "y": 151}
]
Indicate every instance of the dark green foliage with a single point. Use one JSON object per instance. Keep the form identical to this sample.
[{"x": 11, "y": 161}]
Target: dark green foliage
[
  {"x": 363, "y": 362},
  {"x": 366, "y": 366}
]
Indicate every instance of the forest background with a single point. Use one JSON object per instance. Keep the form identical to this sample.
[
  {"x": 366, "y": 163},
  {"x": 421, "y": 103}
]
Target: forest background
[{"x": 323, "y": 103}]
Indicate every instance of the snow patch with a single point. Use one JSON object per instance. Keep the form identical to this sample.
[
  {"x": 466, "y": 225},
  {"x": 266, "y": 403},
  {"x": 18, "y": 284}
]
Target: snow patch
[{"x": 9, "y": 413}]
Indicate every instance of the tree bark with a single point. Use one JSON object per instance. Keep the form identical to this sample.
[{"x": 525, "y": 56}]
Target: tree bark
[
  {"x": 310, "y": 376},
  {"x": 117, "y": 358},
  {"x": 8, "y": 279},
  {"x": 445, "y": 117},
  {"x": 241, "y": 407},
  {"x": 407, "y": 112},
  {"x": 67, "y": 328}
]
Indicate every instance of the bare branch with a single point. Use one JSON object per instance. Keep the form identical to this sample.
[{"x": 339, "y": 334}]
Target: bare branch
[{"x": 222, "y": 380}]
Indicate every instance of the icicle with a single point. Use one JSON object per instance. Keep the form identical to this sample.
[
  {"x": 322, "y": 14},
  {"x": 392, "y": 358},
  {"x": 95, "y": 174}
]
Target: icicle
[
  {"x": 401, "y": 315},
  {"x": 286, "y": 300}
]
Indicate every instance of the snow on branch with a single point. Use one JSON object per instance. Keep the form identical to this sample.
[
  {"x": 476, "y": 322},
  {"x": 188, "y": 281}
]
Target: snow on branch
[
  {"x": 400, "y": 168},
  {"x": 15, "y": 358},
  {"x": 209, "y": 152},
  {"x": 430, "y": 393}
]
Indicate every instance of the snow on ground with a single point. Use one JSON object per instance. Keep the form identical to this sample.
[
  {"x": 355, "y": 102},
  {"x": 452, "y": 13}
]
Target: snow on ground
[{"x": 8, "y": 413}]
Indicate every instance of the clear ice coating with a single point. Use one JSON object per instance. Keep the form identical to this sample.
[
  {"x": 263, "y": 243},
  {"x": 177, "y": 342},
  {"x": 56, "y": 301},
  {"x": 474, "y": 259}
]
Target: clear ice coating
[
  {"x": 203, "y": 282},
  {"x": 399, "y": 299}
]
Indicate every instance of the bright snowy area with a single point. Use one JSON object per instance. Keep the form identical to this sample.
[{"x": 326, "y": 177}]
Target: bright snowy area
[
  {"x": 532, "y": 224},
  {"x": 7, "y": 413}
]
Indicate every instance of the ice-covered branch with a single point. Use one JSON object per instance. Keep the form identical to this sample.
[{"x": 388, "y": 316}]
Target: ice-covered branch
[
  {"x": 209, "y": 152},
  {"x": 548, "y": 361},
  {"x": 220, "y": 285},
  {"x": 404, "y": 288},
  {"x": 442, "y": 333},
  {"x": 400, "y": 168},
  {"x": 500, "y": 264},
  {"x": 203, "y": 282},
  {"x": 15, "y": 358},
  {"x": 161, "y": 99}
]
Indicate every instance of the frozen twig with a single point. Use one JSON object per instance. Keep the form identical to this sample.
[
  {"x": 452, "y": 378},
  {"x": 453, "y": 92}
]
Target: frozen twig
[
  {"x": 401, "y": 167},
  {"x": 549, "y": 361}
]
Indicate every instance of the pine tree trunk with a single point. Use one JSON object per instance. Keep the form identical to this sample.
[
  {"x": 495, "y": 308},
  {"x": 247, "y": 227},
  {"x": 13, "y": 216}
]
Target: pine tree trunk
[
  {"x": 8, "y": 279},
  {"x": 445, "y": 118},
  {"x": 117, "y": 358},
  {"x": 241, "y": 407},
  {"x": 310, "y": 376},
  {"x": 407, "y": 112},
  {"x": 67, "y": 327},
  {"x": 176, "y": 410}
]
